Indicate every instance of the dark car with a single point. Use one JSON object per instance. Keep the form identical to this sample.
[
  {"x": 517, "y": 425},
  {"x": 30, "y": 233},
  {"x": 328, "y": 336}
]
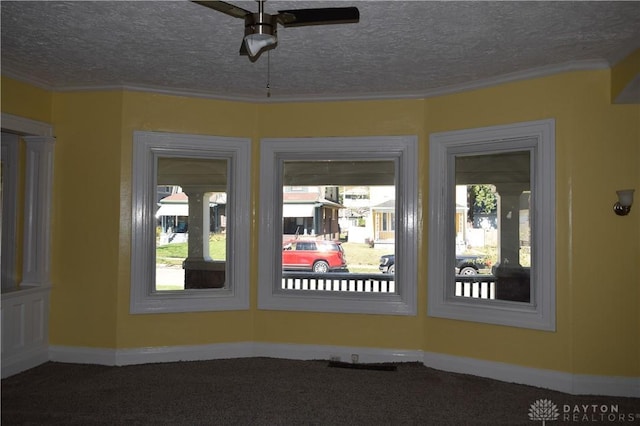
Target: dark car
[
  {"x": 314, "y": 255},
  {"x": 465, "y": 264}
]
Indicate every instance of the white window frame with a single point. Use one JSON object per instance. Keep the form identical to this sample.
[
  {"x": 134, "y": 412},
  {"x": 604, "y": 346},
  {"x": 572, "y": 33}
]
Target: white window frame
[
  {"x": 539, "y": 138},
  {"x": 39, "y": 145},
  {"x": 403, "y": 151},
  {"x": 147, "y": 147},
  {"x": 10, "y": 165}
]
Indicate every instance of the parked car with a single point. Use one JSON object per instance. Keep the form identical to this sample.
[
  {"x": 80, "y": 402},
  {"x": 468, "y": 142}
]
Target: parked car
[
  {"x": 314, "y": 255},
  {"x": 465, "y": 264}
]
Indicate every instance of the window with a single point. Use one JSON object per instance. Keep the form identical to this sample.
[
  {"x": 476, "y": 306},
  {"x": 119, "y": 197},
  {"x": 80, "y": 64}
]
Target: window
[
  {"x": 492, "y": 225},
  {"x": 388, "y": 222},
  {"x": 191, "y": 258},
  {"x": 327, "y": 169},
  {"x": 190, "y": 209}
]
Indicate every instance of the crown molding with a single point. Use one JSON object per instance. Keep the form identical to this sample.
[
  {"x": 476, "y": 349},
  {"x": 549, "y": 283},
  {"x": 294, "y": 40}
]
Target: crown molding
[{"x": 545, "y": 71}]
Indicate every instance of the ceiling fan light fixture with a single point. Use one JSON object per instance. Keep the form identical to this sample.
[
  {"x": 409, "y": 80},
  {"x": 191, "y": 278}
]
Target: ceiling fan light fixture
[
  {"x": 260, "y": 32},
  {"x": 257, "y": 42}
]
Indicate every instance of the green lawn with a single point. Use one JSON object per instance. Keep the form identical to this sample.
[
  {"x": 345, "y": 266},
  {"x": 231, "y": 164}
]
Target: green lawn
[
  {"x": 360, "y": 257},
  {"x": 174, "y": 254}
]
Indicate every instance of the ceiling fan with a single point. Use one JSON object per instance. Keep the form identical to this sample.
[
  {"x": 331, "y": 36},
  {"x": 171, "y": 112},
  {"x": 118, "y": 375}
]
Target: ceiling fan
[{"x": 260, "y": 29}]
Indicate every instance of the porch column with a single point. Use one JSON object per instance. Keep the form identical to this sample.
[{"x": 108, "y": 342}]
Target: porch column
[
  {"x": 512, "y": 280},
  {"x": 509, "y": 223},
  {"x": 198, "y": 224},
  {"x": 200, "y": 271}
]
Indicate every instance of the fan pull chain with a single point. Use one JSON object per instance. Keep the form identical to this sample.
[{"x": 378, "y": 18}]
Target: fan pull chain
[{"x": 268, "y": 74}]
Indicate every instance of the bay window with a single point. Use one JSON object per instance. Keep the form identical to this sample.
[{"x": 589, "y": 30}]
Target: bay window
[
  {"x": 307, "y": 226},
  {"x": 190, "y": 239},
  {"x": 492, "y": 203}
]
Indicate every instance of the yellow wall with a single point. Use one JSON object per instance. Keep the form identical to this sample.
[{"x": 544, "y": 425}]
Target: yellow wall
[
  {"x": 24, "y": 100},
  {"x": 597, "y": 152},
  {"x": 151, "y": 112},
  {"x": 341, "y": 119},
  {"x": 85, "y": 218},
  {"x": 598, "y": 325}
]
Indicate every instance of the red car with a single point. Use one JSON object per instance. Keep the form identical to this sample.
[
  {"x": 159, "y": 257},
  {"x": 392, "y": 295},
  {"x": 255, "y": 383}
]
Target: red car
[{"x": 314, "y": 255}]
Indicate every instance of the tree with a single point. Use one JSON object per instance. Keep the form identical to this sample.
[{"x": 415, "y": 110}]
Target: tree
[{"x": 481, "y": 199}]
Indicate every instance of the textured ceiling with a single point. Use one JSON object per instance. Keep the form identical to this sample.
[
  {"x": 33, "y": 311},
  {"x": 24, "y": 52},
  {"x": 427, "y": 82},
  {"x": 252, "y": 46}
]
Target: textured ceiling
[{"x": 398, "y": 48}]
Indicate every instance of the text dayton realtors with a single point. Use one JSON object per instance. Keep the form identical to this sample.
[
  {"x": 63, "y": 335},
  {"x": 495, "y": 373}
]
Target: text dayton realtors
[{"x": 595, "y": 413}]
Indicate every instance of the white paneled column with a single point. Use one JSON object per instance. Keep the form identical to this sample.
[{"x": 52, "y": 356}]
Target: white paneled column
[
  {"x": 37, "y": 210},
  {"x": 10, "y": 170},
  {"x": 198, "y": 223},
  {"x": 25, "y": 308}
]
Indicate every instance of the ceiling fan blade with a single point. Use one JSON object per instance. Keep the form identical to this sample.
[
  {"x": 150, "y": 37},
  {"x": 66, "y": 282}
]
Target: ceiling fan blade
[
  {"x": 321, "y": 16},
  {"x": 224, "y": 7}
]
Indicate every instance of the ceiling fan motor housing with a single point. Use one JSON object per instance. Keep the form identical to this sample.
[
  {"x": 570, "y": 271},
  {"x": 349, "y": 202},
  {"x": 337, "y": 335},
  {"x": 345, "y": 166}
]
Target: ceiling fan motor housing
[{"x": 260, "y": 23}]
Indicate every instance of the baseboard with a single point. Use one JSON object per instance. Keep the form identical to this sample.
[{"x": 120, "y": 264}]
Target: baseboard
[
  {"x": 337, "y": 353},
  {"x": 184, "y": 353},
  {"x": 23, "y": 361},
  {"x": 575, "y": 384},
  {"x": 83, "y": 355},
  {"x": 586, "y": 384},
  {"x": 148, "y": 355},
  {"x": 547, "y": 379}
]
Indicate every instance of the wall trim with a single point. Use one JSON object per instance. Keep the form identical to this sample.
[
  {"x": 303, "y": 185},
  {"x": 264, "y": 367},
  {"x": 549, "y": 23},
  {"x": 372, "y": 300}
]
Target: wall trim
[
  {"x": 538, "y": 72},
  {"x": 10, "y": 178},
  {"x": 537, "y": 139},
  {"x": 575, "y": 384},
  {"x": 148, "y": 147},
  {"x": 26, "y": 126},
  {"x": 25, "y": 328},
  {"x": 146, "y": 355},
  {"x": 338, "y": 353},
  {"x": 23, "y": 361}
]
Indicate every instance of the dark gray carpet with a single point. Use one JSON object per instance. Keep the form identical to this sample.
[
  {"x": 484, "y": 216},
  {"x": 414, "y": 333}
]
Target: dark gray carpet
[{"x": 266, "y": 391}]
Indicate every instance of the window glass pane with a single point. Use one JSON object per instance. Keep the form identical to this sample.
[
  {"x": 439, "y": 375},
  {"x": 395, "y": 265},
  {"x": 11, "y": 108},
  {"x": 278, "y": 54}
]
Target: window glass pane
[
  {"x": 338, "y": 217},
  {"x": 191, "y": 233},
  {"x": 492, "y": 226}
]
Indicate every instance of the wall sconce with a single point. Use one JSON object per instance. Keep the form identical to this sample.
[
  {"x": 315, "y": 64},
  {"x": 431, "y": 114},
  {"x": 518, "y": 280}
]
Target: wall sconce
[{"x": 625, "y": 199}]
